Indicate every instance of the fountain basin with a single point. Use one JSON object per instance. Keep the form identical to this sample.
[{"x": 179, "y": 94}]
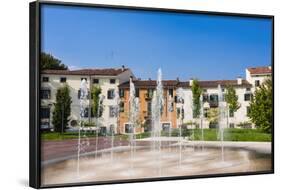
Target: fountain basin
[{"x": 147, "y": 163}]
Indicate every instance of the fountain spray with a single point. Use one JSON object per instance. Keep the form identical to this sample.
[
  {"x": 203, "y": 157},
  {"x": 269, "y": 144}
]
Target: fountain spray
[
  {"x": 221, "y": 122},
  {"x": 180, "y": 97},
  {"x": 101, "y": 98},
  {"x": 83, "y": 105}
]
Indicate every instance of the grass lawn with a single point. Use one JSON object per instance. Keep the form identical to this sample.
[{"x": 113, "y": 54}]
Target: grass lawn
[
  {"x": 59, "y": 136},
  {"x": 234, "y": 135},
  {"x": 71, "y": 135},
  {"x": 209, "y": 135}
]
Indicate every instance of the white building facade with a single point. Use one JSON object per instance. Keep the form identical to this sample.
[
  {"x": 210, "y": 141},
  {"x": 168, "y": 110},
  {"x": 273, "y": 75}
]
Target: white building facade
[
  {"x": 244, "y": 88},
  {"x": 107, "y": 79}
]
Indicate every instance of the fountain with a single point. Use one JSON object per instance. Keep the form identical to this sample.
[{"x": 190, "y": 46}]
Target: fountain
[
  {"x": 180, "y": 98},
  {"x": 157, "y": 108},
  {"x": 201, "y": 120},
  {"x": 221, "y": 116},
  {"x": 116, "y": 114},
  {"x": 170, "y": 110},
  {"x": 152, "y": 160},
  {"x": 192, "y": 122},
  {"x": 101, "y": 98},
  {"x": 83, "y": 105},
  {"x": 133, "y": 116}
]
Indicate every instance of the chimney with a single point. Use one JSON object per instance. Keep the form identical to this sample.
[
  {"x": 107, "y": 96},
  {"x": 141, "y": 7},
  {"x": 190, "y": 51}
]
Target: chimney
[
  {"x": 123, "y": 67},
  {"x": 190, "y": 82},
  {"x": 239, "y": 80},
  {"x": 149, "y": 78},
  {"x": 178, "y": 79}
]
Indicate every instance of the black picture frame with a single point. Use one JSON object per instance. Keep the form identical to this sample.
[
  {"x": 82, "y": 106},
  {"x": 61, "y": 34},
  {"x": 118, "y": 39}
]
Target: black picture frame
[{"x": 34, "y": 69}]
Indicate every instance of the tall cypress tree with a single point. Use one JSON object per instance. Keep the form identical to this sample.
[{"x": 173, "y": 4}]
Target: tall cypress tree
[
  {"x": 196, "y": 93},
  {"x": 62, "y": 109}
]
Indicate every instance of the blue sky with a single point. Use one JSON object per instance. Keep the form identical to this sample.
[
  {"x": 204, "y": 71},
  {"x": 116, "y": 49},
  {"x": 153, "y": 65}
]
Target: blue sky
[{"x": 183, "y": 45}]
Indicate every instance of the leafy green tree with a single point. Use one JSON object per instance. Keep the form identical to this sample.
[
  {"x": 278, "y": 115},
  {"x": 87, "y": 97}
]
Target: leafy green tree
[
  {"x": 196, "y": 93},
  {"x": 96, "y": 91},
  {"x": 213, "y": 115},
  {"x": 232, "y": 99},
  {"x": 260, "y": 111},
  {"x": 62, "y": 109},
  {"x": 48, "y": 61}
]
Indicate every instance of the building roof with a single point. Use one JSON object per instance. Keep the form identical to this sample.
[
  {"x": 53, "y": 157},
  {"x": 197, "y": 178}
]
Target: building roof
[
  {"x": 223, "y": 83},
  {"x": 149, "y": 83},
  {"x": 185, "y": 84},
  {"x": 260, "y": 70},
  {"x": 101, "y": 72}
]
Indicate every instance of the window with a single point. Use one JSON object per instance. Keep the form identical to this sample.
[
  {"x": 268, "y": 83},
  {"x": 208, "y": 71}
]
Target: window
[
  {"x": 247, "y": 97},
  {"x": 45, "y": 79},
  {"x": 182, "y": 113},
  {"x": 112, "y": 81},
  {"x": 171, "y": 92},
  {"x": 111, "y": 111},
  {"x": 137, "y": 92},
  {"x": 79, "y": 94},
  {"x": 85, "y": 113},
  {"x": 110, "y": 94},
  {"x": 257, "y": 83},
  {"x": 178, "y": 113},
  {"x": 45, "y": 94},
  {"x": 205, "y": 97},
  {"x": 121, "y": 93},
  {"x": 149, "y": 93},
  {"x": 214, "y": 100},
  {"x": 166, "y": 126},
  {"x": 84, "y": 79},
  {"x": 63, "y": 79},
  {"x": 231, "y": 125},
  {"x": 222, "y": 89},
  {"x": 231, "y": 113},
  {"x": 96, "y": 81},
  {"x": 128, "y": 128},
  {"x": 121, "y": 107},
  {"x": 171, "y": 107},
  {"x": 248, "y": 110},
  {"x": 179, "y": 100},
  {"x": 248, "y": 89},
  {"x": 205, "y": 112},
  {"x": 45, "y": 113},
  {"x": 149, "y": 108},
  {"x": 111, "y": 129}
]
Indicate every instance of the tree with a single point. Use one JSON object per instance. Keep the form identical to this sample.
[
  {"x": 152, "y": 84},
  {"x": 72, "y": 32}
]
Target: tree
[
  {"x": 196, "y": 93},
  {"x": 48, "y": 61},
  {"x": 96, "y": 91},
  {"x": 213, "y": 115},
  {"x": 62, "y": 109},
  {"x": 232, "y": 101},
  {"x": 260, "y": 111}
]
